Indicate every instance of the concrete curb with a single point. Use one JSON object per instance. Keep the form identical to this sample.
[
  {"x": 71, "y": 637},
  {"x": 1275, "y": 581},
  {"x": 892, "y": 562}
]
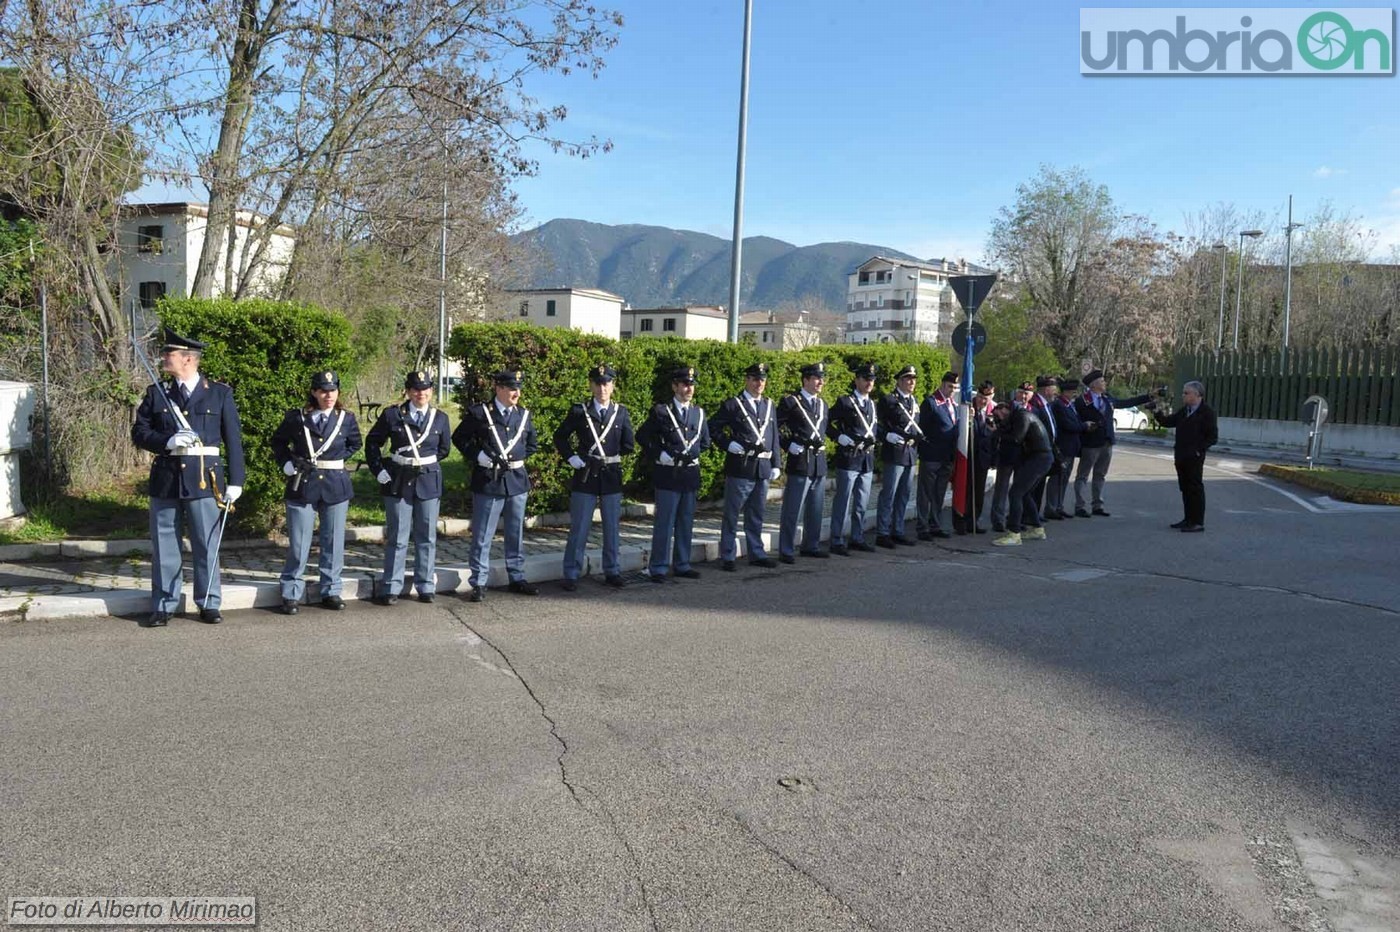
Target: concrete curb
[{"x": 237, "y": 596}]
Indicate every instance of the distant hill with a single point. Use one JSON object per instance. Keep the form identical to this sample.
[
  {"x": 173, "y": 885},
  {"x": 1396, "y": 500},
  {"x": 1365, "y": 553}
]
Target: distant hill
[{"x": 658, "y": 266}]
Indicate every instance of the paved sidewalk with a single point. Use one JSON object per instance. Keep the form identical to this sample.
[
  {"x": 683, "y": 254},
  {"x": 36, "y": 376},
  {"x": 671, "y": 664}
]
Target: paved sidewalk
[{"x": 73, "y": 583}]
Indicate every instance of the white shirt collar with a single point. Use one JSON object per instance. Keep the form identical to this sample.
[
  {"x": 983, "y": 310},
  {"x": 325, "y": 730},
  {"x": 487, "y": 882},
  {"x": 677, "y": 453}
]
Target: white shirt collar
[
  {"x": 191, "y": 383},
  {"x": 860, "y": 395},
  {"x": 808, "y": 395},
  {"x": 599, "y": 407},
  {"x": 680, "y": 403},
  {"x": 902, "y": 394},
  {"x": 502, "y": 408},
  {"x": 753, "y": 399}
]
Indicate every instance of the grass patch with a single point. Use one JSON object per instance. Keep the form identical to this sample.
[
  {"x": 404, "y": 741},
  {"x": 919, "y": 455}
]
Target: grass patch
[
  {"x": 1348, "y": 485},
  {"x": 367, "y": 507},
  {"x": 116, "y": 513}
]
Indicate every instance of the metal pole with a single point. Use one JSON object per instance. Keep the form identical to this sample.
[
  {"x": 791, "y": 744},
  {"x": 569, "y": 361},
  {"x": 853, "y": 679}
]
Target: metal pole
[
  {"x": 1287, "y": 277},
  {"x": 442, "y": 307},
  {"x": 1220, "y": 329},
  {"x": 737, "y": 245},
  {"x": 1239, "y": 292},
  {"x": 44, "y": 389}
]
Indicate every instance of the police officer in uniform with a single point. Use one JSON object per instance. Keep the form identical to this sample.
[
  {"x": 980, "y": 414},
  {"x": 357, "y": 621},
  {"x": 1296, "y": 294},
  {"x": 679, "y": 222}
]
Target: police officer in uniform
[
  {"x": 497, "y": 438},
  {"x": 745, "y": 425},
  {"x": 802, "y": 422},
  {"x": 183, "y": 422},
  {"x": 673, "y": 438},
  {"x": 853, "y": 424},
  {"x": 593, "y": 438},
  {"x": 313, "y": 444},
  {"x": 899, "y": 426},
  {"x": 410, "y": 480}
]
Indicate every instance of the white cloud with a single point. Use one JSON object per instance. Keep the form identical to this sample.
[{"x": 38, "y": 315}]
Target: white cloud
[{"x": 1327, "y": 172}]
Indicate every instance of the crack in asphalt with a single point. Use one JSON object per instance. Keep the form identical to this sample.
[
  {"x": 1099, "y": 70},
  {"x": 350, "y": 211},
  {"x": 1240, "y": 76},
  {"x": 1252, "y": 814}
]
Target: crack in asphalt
[{"x": 564, "y": 770}]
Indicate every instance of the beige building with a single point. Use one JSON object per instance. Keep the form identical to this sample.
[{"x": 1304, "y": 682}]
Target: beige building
[
  {"x": 158, "y": 247},
  {"x": 903, "y": 301},
  {"x": 588, "y": 309},
  {"x": 771, "y": 333},
  {"x": 693, "y": 322}
]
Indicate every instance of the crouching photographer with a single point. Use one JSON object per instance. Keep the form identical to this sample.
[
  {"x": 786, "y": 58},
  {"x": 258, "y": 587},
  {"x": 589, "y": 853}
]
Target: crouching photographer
[
  {"x": 1027, "y": 434},
  {"x": 1196, "y": 432}
]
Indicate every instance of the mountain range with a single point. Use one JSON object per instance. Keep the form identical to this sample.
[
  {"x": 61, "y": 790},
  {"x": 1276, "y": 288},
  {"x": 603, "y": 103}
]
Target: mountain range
[{"x": 661, "y": 267}]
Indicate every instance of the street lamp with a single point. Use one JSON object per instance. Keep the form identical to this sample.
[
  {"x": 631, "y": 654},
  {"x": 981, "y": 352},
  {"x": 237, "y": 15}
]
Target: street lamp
[
  {"x": 1239, "y": 282},
  {"x": 1288, "y": 274},
  {"x": 1220, "y": 327}
]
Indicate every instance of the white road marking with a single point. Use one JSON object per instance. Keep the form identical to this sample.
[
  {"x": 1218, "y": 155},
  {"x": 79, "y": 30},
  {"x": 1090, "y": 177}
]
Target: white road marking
[{"x": 1083, "y": 575}]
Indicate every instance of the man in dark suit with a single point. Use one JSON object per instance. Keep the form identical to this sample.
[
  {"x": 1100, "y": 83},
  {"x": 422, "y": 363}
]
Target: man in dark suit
[
  {"x": 593, "y": 438},
  {"x": 1095, "y": 409},
  {"x": 410, "y": 481},
  {"x": 183, "y": 422},
  {"x": 1196, "y": 432},
  {"x": 1047, "y": 388},
  {"x": 938, "y": 418},
  {"x": 674, "y": 437},
  {"x": 746, "y": 427},
  {"x": 497, "y": 438},
  {"x": 802, "y": 418},
  {"x": 1069, "y": 432}
]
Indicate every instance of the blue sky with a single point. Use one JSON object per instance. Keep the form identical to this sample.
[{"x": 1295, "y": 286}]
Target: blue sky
[{"x": 908, "y": 123}]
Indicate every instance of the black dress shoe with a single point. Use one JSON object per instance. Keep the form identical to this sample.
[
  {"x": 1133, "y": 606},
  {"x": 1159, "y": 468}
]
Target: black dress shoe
[
  {"x": 925, "y": 535},
  {"x": 1193, "y": 529},
  {"x": 1101, "y": 513},
  {"x": 289, "y": 607},
  {"x": 478, "y": 594},
  {"x": 333, "y": 602},
  {"x": 727, "y": 566},
  {"x": 521, "y": 587},
  {"x": 840, "y": 551},
  {"x": 689, "y": 574},
  {"x": 885, "y": 541},
  {"x": 907, "y": 542},
  {"x": 1054, "y": 516},
  {"x": 210, "y": 616},
  {"x": 658, "y": 577},
  {"x": 862, "y": 546},
  {"x": 617, "y": 582},
  {"x": 1080, "y": 513},
  {"x": 818, "y": 554},
  {"x": 569, "y": 585},
  {"x": 156, "y": 620},
  {"x": 1065, "y": 515},
  {"x": 427, "y": 597},
  {"x": 786, "y": 558},
  {"x": 941, "y": 534},
  {"x": 1180, "y": 524},
  {"x": 768, "y": 563},
  {"x": 386, "y": 600}
]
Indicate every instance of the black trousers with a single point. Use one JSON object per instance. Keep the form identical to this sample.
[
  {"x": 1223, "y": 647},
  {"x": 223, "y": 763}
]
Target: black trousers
[{"x": 1190, "y": 479}]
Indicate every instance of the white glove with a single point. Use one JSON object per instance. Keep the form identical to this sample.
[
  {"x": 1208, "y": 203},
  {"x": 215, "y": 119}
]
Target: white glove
[
  {"x": 289, "y": 469},
  {"x": 845, "y": 441},
  {"x": 383, "y": 477},
  {"x": 232, "y": 493},
  {"x": 894, "y": 438},
  {"x": 665, "y": 459},
  {"x": 796, "y": 449},
  {"x": 736, "y": 448},
  {"x": 483, "y": 459},
  {"x": 774, "y": 474},
  {"x": 184, "y": 438},
  {"x": 577, "y": 462}
]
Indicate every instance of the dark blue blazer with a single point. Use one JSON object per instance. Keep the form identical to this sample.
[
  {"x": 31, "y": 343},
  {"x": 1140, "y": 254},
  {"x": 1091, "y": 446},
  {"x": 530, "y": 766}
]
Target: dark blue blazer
[
  {"x": 473, "y": 436},
  {"x": 574, "y": 437},
  {"x": 395, "y": 427},
  {"x": 1069, "y": 429},
  {"x": 212, "y": 414},
  {"x": 1089, "y": 414},
  {"x": 795, "y": 427},
  {"x": 324, "y": 486},
  {"x": 731, "y": 423},
  {"x": 845, "y": 419},
  {"x": 658, "y": 434},
  {"x": 940, "y": 425}
]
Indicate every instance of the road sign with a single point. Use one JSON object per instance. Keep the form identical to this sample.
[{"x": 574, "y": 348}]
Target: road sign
[
  {"x": 971, "y": 290},
  {"x": 960, "y": 342}
]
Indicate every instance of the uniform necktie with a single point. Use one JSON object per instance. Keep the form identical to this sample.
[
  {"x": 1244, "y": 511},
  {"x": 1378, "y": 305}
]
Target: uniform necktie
[
  {"x": 184, "y": 394},
  {"x": 320, "y": 423}
]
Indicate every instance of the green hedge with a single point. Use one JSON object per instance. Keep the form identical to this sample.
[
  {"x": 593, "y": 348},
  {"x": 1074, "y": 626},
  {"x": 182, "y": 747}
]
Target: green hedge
[
  {"x": 555, "y": 363},
  {"x": 267, "y": 351}
]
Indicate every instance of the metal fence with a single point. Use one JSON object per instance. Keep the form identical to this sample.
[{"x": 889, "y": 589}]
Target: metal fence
[{"x": 1361, "y": 385}]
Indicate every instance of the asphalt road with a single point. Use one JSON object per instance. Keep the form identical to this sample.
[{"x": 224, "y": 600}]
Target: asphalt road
[{"x": 1120, "y": 728}]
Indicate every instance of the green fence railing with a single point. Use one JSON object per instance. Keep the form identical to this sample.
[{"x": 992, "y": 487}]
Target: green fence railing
[{"x": 1361, "y": 384}]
